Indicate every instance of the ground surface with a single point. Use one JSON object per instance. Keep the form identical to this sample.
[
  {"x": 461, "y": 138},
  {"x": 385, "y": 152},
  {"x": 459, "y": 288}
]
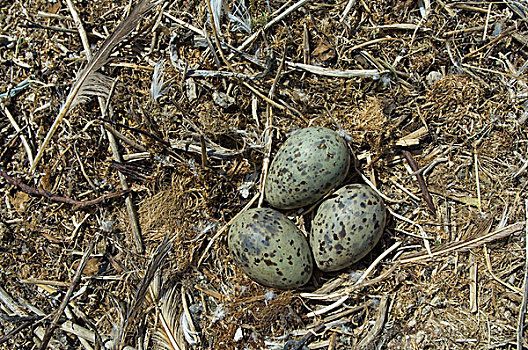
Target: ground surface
[{"x": 449, "y": 91}]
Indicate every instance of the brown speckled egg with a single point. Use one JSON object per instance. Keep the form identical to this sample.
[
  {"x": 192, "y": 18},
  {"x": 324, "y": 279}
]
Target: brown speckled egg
[
  {"x": 310, "y": 163},
  {"x": 346, "y": 227},
  {"x": 270, "y": 249}
]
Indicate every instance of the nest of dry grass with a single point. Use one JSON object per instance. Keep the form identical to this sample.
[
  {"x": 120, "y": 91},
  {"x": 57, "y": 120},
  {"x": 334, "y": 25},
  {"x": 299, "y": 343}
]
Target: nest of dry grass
[{"x": 117, "y": 239}]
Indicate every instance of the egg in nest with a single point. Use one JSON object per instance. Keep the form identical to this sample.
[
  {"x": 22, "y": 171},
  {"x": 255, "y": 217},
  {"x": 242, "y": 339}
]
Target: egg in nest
[
  {"x": 270, "y": 249},
  {"x": 310, "y": 163},
  {"x": 346, "y": 227}
]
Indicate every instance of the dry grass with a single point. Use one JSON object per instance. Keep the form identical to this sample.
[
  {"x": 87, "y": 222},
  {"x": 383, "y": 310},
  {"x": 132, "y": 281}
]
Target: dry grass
[{"x": 451, "y": 89}]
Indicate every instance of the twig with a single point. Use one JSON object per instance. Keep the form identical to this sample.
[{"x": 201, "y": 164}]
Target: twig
[
  {"x": 9, "y": 146},
  {"x": 469, "y": 243},
  {"x": 374, "y": 41},
  {"x": 298, "y": 345},
  {"x": 473, "y": 290},
  {"x": 131, "y": 210},
  {"x": 129, "y": 169},
  {"x": 82, "y": 332},
  {"x": 306, "y": 45},
  {"x": 55, "y": 198},
  {"x": 347, "y": 9},
  {"x": 401, "y": 187},
  {"x": 522, "y": 311},
  {"x": 467, "y": 68},
  {"x": 490, "y": 270},
  {"x": 16, "y": 330},
  {"x": 477, "y": 180},
  {"x": 225, "y": 227},
  {"x": 350, "y": 289},
  {"x": 370, "y": 338},
  {"x": 83, "y": 171},
  {"x": 504, "y": 34},
  {"x": 203, "y": 151},
  {"x": 217, "y": 74},
  {"x": 463, "y": 6},
  {"x": 376, "y": 262},
  {"x": 123, "y": 138},
  {"x": 279, "y": 18},
  {"x": 80, "y": 28},
  {"x": 66, "y": 299},
  {"x": 421, "y": 182},
  {"x": 368, "y": 182},
  {"x": 400, "y": 26},
  {"x": 45, "y": 282},
  {"x": 328, "y": 308},
  {"x": 487, "y": 22},
  {"x": 209, "y": 43},
  {"x": 215, "y": 34},
  {"x": 463, "y": 31},
  {"x": 518, "y": 172},
  {"x": 448, "y": 9},
  {"x": 362, "y": 73},
  {"x": 109, "y": 98},
  {"x": 262, "y": 96},
  {"x": 18, "y": 130},
  {"x": 268, "y": 131},
  {"x": 9, "y": 302},
  {"x": 420, "y": 228},
  {"x": 67, "y": 326},
  {"x": 286, "y": 12},
  {"x": 340, "y": 315},
  {"x": 52, "y": 28},
  {"x": 425, "y": 169},
  {"x": 352, "y": 73}
]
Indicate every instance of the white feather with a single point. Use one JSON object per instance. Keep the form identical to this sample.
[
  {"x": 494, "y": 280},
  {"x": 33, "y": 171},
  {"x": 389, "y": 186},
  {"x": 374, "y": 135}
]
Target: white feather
[
  {"x": 165, "y": 337},
  {"x": 240, "y": 16},
  {"x": 188, "y": 334},
  {"x": 217, "y": 7},
  {"x": 156, "y": 86}
]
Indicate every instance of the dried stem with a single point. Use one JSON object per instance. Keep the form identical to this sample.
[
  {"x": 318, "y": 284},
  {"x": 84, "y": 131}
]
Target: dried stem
[
  {"x": 66, "y": 299},
  {"x": 421, "y": 181},
  {"x": 59, "y": 199},
  {"x": 522, "y": 311}
]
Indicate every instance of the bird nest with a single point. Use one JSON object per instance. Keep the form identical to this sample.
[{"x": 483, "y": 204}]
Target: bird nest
[{"x": 132, "y": 134}]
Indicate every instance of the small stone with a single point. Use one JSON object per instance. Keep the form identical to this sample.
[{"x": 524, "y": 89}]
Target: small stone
[
  {"x": 433, "y": 77},
  {"x": 223, "y": 100},
  {"x": 239, "y": 335}
]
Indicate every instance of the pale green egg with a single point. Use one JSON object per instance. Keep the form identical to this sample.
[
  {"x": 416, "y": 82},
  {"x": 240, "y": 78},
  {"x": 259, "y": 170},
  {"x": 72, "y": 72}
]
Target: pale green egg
[
  {"x": 308, "y": 165},
  {"x": 270, "y": 249},
  {"x": 346, "y": 227}
]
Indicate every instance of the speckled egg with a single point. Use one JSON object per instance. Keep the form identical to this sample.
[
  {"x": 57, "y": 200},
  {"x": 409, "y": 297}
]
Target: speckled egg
[
  {"x": 346, "y": 227},
  {"x": 310, "y": 163},
  {"x": 270, "y": 249}
]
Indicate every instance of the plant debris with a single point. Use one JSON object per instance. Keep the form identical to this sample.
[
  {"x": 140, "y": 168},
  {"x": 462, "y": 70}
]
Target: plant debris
[{"x": 114, "y": 217}]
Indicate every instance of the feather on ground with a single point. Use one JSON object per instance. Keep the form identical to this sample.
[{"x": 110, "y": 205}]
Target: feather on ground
[{"x": 90, "y": 83}]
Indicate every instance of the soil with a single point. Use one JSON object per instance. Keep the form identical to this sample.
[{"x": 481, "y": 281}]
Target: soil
[{"x": 117, "y": 239}]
